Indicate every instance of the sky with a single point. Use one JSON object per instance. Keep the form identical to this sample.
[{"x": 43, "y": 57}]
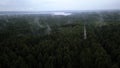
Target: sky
[{"x": 53, "y": 5}]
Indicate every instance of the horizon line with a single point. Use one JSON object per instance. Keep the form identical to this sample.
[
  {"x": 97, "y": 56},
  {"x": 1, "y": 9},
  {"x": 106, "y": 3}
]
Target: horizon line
[{"x": 57, "y": 10}]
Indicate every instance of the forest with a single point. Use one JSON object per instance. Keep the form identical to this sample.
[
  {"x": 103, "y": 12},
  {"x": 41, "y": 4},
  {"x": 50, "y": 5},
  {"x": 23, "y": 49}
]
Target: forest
[{"x": 56, "y": 41}]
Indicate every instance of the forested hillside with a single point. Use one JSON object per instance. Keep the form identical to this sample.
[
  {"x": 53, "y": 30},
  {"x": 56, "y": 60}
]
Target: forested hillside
[{"x": 45, "y": 41}]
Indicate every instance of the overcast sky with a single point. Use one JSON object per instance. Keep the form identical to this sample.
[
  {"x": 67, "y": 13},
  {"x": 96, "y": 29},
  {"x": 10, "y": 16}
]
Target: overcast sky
[{"x": 51, "y": 5}]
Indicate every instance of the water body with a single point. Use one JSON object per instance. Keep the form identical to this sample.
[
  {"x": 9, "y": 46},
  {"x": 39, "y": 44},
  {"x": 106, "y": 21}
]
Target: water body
[{"x": 62, "y": 13}]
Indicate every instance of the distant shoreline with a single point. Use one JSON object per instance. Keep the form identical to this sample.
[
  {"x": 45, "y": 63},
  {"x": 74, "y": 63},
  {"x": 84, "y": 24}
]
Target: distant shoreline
[{"x": 62, "y": 12}]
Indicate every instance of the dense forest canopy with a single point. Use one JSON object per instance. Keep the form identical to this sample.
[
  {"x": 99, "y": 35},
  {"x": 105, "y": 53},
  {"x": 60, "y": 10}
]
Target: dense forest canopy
[{"x": 57, "y": 41}]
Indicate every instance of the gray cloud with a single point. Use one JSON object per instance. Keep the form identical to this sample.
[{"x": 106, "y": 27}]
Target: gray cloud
[{"x": 46, "y": 5}]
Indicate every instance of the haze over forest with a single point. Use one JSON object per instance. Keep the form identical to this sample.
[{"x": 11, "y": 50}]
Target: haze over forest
[{"x": 60, "y": 34}]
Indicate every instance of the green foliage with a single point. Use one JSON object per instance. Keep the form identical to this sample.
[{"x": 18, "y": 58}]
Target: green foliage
[{"x": 25, "y": 44}]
